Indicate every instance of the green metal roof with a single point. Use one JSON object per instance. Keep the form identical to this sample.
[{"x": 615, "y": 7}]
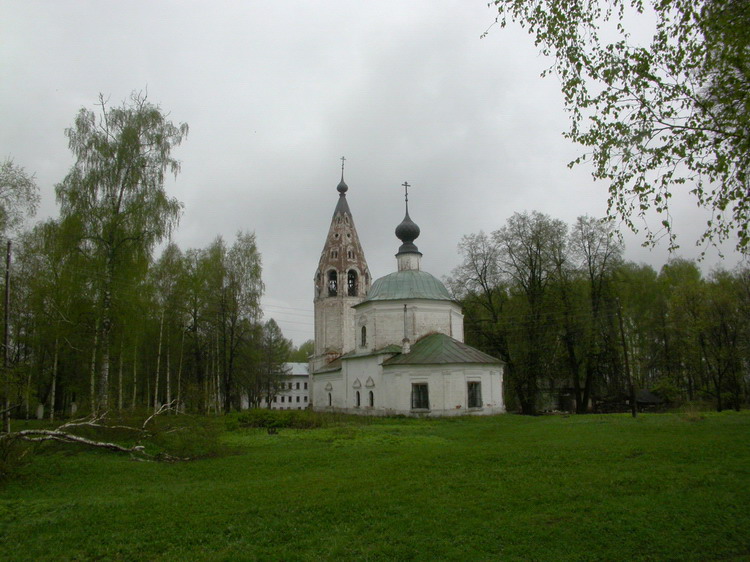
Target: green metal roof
[
  {"x": 392, "y": 348},
  {"x": 407, "y": 284},
  {"x": 437, "y": 349}
]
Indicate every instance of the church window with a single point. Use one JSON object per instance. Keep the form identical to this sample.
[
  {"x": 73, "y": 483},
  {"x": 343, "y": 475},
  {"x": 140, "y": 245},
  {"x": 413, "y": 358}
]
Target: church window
[
  {"x": 475, "y": 394},
  {"x": 334, "y": 254},
  {"x": 351, "y": 283},
  {"x": 372, "y": 399},
  {"x": 420, "y": 398},
  {"x": 349, "y": 254},
  {"x": 364, "y": 336},
  {"x": 332, "y": 284},
  {"x": 330, "y": 400},
  {"x": 358, "y": 399}
]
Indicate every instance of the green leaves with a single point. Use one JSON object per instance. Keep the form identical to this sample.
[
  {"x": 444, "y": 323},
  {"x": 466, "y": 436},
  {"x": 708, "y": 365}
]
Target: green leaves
[
  {"x": 19, "y": 196},
  {"x": 672, "y": 111}
]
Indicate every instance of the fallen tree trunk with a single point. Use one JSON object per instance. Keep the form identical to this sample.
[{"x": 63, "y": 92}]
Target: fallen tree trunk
[{"x": 63, "y": 434}]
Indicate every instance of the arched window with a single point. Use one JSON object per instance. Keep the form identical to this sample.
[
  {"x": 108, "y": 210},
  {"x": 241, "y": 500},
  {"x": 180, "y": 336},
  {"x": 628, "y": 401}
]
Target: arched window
[
  {"x": 351, "y": 283},
  {"x": 372, "y": 399},
  {"x": 332, "y": 283},
  {"x": 330, "y": 400},
  {"x": 358, "y": 400},
  {"x": 364, "y": 336}
]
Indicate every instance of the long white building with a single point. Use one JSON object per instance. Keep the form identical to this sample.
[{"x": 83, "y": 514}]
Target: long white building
[{"x": 294, "y": 389}]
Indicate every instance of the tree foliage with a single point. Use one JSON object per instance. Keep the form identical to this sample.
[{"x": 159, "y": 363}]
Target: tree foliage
[
  {"x": 548, "y": 302},
  {"x": 114, "y": 198},
  {"x": 656, "y": 116},
  {"x": 97, "y": 321},
  {"x": 19, "y": 196}
]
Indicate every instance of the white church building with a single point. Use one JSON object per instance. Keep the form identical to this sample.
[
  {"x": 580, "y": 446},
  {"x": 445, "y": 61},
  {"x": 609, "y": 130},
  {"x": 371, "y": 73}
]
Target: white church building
[{"x": 395, "y": 345}]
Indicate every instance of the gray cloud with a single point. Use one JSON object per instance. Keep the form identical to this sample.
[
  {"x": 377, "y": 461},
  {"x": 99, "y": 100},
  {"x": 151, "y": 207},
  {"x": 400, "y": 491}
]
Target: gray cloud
[{"x": 276, "y": 92}]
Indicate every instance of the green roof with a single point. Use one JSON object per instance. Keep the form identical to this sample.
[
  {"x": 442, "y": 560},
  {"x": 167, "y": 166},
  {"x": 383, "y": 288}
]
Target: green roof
[
  {"x": 409, "y": 284},
  {"x": 435, "y": 349},
  {"x": 392, "y": 348}
]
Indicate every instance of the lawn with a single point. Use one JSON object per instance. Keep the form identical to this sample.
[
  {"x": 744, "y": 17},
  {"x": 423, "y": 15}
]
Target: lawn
[{"x": 661, "y": 487}]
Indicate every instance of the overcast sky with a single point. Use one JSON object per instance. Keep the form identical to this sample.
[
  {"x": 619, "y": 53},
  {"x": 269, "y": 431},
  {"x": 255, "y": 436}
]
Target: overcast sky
[{"x": 276, "y": 92}]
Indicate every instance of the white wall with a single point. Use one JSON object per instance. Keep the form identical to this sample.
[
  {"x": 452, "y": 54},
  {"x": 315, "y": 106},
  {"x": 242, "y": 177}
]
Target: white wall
[
  {"x": 392, "y": 387},
  {"x": 384, "y": 321}
]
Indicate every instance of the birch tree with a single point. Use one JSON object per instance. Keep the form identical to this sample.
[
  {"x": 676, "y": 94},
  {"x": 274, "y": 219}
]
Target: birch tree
[
  {"x": 654, "y": 116},
  {"x": 115, "y": 195}
]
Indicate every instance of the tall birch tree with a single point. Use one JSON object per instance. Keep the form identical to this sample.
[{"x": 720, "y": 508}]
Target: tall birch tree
[{"x": 115, "y": 195}]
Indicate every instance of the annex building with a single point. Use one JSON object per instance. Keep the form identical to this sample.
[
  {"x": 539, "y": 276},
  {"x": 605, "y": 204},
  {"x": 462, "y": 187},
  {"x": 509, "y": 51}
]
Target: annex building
[
  {"x": 292, "y": 390},
  {"x": 393, "y": 345}
]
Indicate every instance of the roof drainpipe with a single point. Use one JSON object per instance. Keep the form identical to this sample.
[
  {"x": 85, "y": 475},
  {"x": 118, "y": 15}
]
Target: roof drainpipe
[{"x": 405, "y": 345}]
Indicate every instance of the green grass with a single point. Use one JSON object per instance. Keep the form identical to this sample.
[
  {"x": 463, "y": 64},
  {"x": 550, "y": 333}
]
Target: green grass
[{"x": 661, "y": 487}]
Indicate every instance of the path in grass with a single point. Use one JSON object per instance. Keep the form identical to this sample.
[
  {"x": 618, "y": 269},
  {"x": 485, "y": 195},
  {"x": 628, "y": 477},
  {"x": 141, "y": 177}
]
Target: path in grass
[{"x": 550, "y": 488}]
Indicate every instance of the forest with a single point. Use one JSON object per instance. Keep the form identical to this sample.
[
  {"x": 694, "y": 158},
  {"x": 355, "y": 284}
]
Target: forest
[
  {"x": 96, "y": 321},
  {"x": 577, "y": 325}
]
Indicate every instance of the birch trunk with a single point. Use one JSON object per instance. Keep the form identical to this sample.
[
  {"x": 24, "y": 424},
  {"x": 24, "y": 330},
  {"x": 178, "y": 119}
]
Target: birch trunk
[
  {"x": 158, "y": 364},
  {"x": 217, "y": 379},
  {"x": 135, "y": 374},
  {"x": 119, "y": 382},
  {"x": 179, "y": 374},
  {"x": 53, "y": 390},
  {"x": 92, "y": 368},
  {"x": 106, "y": 332},
  {"x": 168, "y": 374}
]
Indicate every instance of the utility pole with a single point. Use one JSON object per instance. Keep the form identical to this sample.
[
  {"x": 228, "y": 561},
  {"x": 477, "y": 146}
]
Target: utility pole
[
  {"x": 633, "y": 405},
  {"x": 6, "y": 340}
]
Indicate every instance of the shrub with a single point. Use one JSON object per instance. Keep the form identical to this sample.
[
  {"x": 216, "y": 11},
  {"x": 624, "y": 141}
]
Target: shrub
[
  {"x": 278, "y": 419},
  {"x": 14, "y": 453}
]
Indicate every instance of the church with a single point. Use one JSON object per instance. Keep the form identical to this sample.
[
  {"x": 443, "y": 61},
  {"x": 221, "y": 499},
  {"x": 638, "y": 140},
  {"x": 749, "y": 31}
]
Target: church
[{"x": 393, "y": 346}]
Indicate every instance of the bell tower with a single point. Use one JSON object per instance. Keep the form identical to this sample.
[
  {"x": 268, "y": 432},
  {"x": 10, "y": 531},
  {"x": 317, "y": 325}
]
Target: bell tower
[{"x": 341, "y": 281}]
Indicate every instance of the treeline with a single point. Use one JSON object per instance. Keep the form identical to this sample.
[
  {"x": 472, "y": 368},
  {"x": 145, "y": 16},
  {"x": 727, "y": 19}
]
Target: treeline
[
  {"x": 575, "y": 323},
  {"x": 96, "y": 323}
]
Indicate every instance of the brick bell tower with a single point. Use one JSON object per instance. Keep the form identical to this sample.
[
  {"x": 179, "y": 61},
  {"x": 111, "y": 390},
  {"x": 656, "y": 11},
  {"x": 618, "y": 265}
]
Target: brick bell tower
[{"x": 341, "y": 281}]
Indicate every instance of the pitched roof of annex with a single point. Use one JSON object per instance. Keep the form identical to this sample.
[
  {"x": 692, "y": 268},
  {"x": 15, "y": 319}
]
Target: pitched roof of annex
[{"x": 440, "y": 349}]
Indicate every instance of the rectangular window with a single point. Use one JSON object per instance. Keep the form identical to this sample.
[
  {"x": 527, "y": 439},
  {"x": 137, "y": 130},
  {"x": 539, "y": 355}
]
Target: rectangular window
[
  {"x": 475, "y": 394},
  {"x": 297, "y": 386},
  {"x": 282, "y": 399},
  {"x": 275, "y": 399},
  {"x": 305, "y": 386},
  {"x": 297, "y": 398},
  {"x": 420, "y": 399},
  {"x": 305, "y": 398}
]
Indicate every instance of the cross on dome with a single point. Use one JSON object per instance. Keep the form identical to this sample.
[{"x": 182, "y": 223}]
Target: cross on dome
[
  {"x": 407, "y": 231},
  {"x": 342, "y": 188}
]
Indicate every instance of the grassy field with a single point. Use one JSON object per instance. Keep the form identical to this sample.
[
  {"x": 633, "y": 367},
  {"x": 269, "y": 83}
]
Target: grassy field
[{"x": 661, "y": 487}]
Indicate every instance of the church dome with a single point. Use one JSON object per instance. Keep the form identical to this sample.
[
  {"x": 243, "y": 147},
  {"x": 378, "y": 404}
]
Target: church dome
[
  {"x": 408, "y": 284},
  {"x": 342, "y": 187},
  {"x": 407, "y": 232}
]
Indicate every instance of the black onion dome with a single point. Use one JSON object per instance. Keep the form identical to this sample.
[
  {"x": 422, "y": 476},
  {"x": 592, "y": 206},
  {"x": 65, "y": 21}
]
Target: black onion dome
[
  {"x": 407, "y": 232},
  {"x": 342, "y": 187}
]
